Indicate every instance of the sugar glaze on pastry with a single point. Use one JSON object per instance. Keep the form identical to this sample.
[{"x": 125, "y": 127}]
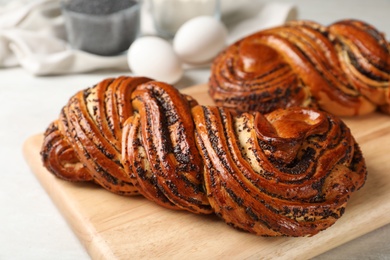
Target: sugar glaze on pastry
[
  {"x": 343, "y": 69},
  {"x": 285, "y": 173}
]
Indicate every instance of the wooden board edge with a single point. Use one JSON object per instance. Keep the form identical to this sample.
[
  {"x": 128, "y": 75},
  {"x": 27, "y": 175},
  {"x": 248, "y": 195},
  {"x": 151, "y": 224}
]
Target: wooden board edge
[
  {"x": 99, "y": 249},
  {"x": 96, "y": 247}
]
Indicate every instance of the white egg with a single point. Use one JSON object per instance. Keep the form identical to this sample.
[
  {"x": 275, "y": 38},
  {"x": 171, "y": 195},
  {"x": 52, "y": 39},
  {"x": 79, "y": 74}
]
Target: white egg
[
  {"x": 200, "y": 39},
  {"x": 154, "y": 57}
]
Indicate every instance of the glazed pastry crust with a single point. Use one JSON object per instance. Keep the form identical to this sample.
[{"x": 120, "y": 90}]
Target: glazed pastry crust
[
  {"x": 286, "y": 173},
  {"x": 280, "y": 174},
  {"x": 159, "y": 150},
  {"x": 85, "y": 142},
  {"x": 343, "y": 69}
]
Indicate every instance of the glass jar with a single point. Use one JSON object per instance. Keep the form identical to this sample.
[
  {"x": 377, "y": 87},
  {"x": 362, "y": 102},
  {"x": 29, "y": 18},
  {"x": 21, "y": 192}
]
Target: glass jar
[
  {"x": 169, "y": 15},
  {"x": 101, "y": 27}
]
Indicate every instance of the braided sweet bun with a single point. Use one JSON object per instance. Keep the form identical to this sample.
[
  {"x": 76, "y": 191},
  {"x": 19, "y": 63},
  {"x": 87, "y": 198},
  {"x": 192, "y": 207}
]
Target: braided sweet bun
[
  {"x": 343, "y": 69},
  {"x": 286, "y": 173},
  {"x": 84, "y": 144}
]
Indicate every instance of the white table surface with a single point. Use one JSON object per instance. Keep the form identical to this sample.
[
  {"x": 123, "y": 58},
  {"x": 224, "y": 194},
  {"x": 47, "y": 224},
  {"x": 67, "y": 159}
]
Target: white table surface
[{"x": 31, "y": 227}]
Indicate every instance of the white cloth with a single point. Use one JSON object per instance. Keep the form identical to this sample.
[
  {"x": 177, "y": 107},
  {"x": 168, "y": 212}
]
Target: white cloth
[{"x": 32, "y": 35}]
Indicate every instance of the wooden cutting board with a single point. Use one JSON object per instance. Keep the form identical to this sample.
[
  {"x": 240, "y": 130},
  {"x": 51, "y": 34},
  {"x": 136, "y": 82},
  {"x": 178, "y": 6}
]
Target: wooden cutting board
[{"x": 116, "y": 227}]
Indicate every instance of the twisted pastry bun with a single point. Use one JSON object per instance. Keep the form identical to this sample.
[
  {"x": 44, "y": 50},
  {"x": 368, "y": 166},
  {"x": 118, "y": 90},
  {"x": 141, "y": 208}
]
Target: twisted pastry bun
[
  {"x": 343, "y": 69},
  {"x": 286, "y": 173},
  {"x": 84, "y": 144}
]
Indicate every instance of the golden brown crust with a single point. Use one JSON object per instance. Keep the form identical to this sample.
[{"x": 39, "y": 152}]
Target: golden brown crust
[
  {"x": 343, "y": 69},
  {"x": 90, "y": 129},
  {"x": 286, "y": 173},
  {"x": 267, "y": 178},
  {"x": 60, "y": 158},
  {"x": 160, "y": 151}
]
